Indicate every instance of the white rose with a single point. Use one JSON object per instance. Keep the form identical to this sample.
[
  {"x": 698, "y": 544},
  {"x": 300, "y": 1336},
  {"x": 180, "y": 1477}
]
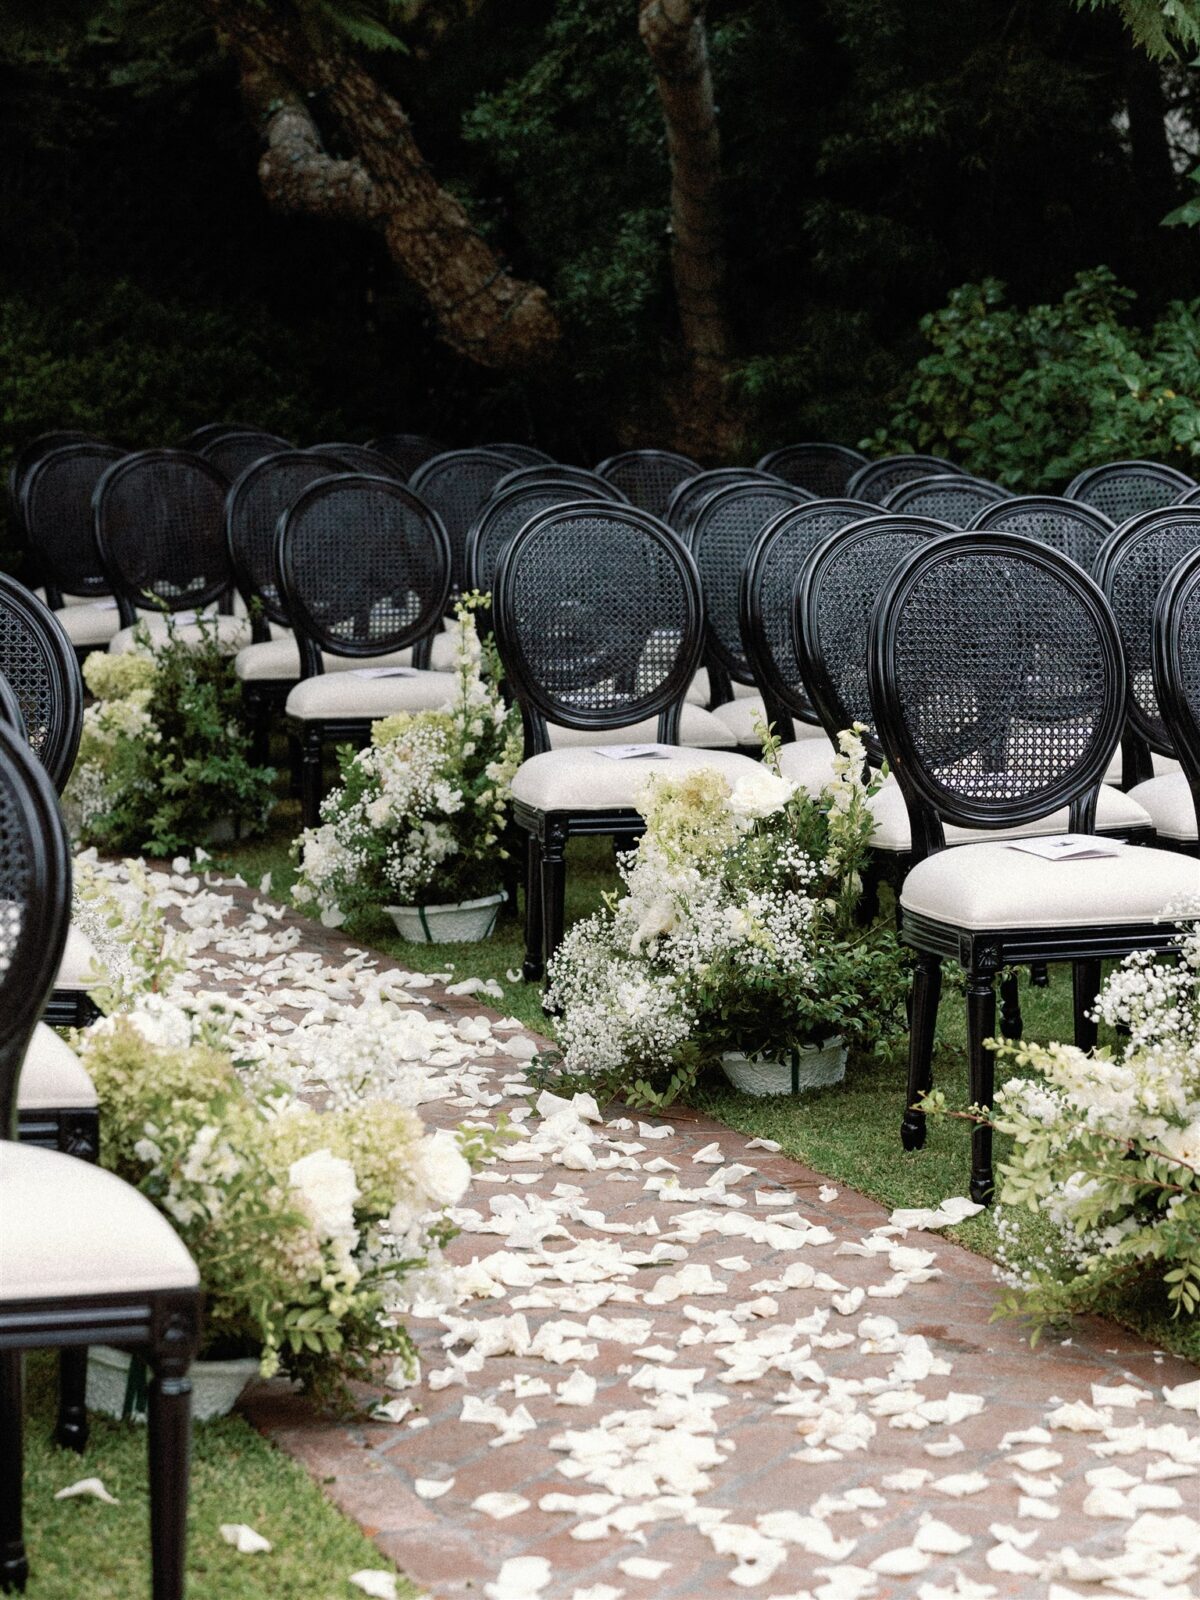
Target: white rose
[
  {"x": 327, "y": 1189},
  {"x": 759, "y": 794},
  {"x": 442, "y": 1169}
]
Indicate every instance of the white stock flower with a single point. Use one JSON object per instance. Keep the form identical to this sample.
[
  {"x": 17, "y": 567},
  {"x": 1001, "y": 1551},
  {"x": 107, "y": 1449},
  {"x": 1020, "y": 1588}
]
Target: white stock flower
[{"x": 327, "y": 1189}]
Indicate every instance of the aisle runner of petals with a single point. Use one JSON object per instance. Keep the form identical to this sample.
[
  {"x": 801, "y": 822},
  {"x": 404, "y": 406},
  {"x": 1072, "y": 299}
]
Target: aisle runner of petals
[{"x": 668, "y": 1361}]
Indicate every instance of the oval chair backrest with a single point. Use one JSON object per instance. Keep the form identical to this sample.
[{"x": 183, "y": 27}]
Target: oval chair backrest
[
  {"x": 210, "y": 432},
  {"x": 767, "y": 597},
  {"x": 407, "y": 450},
  {"x": 160, "y": 529},
  {"x": 35, "y": 907},
  {"x": 1177, "y": 665},
  {"x": 647, "y": 477},
  {"x": 877, "y": 479},
  {"x": 503, "y": 517},
  {"x": 997, "y": 682},
  {"x": 1134, "y": 563},
  {"x": 688, "y": 496},
  {"x": 232, "y": 453},
  {"x": 590, "y": 484},
  {"x": 1068, "y": 526},
  {"x": 835, "y": 594},
  {"x": 39, "y": 662},
  {"x": 1121, "y": 489},
  {"x": 522, "y": 455},
  {"x": 363, "y": 565},
  {"x": 724, "y": 530},
  {"x": 57, "y": 513},
  {"x": 253, "y": 507},
  {"x": 457, "y": 485},
  {"x": 10, "y": 710},
  {"x": 360, "y": 458},
  {"x": 823, "y": 469},
  {"x": 31, "y": 453},
  {"x": 949, "y": 496},
  {"x": 599, "y": 619}
]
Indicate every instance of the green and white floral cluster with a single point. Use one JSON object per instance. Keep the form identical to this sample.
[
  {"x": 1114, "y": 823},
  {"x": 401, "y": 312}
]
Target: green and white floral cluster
[
  {"x": 737, "y": 930},
  {"x": 419, "y": 815}
]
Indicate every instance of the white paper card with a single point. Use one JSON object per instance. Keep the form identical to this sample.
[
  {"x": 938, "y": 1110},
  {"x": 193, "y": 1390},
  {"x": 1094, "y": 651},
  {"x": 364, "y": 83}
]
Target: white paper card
[
  {"x": 383, "y": 672},
  {"x": 633, "y": 752},
  {"x": 1066, "y": 847}
]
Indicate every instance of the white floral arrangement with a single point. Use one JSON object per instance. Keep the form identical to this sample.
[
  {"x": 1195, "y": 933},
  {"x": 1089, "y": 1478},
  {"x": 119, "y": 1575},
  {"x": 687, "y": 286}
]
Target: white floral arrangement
[
  {"x": 419, "y": 815},
  {"x": 737, "y": 930}
]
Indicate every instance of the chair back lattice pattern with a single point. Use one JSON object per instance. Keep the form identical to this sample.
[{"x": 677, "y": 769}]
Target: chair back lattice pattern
[
  {"x": 591, "y": 485},
  {"x": 823, "y": 469},
  {"x": 39, "y": 664},
  {"x": 1132, "y": 567},
  {"x": 949, "y": 496},
  {"x": 877, "y": 479},
  {"x": 724, "y": 530},
  {"x": 253, "y": 508},
  {"x": 1122, "y": 489},
  {"x": 360, "y": 458},
  {"x": 232, "y": 453},
  {"x": 10, "y": 710},
  {"x": 768, "y": 596},
  {"x": 1068, "y": 526},
  {"x": 456, "y": 485},
  {"x": 688, "y": 496},
  {"x": 408, "y": 450},
  {"x": 522, "y": 455},
  {"x": 647, "y": 477},
  {"x": 28, "y": 457},
  {"x": 363, "y": 566},
  {"x": 160, "y": 528},
  {"x": 35, "y": 907},
  {"x": 975, "y": 637},
  {"x": 836, "y": 591},
  {"x": 1177, "y": 665},
  {"x": 503, "y": 517},
  {"x": 599, "y": 620},
  {"x": 57, "y": 514}
]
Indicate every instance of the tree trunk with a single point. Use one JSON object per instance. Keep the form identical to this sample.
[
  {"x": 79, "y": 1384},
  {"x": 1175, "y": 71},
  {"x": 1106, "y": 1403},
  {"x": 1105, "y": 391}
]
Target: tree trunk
[{"x": 481, "y": 311}]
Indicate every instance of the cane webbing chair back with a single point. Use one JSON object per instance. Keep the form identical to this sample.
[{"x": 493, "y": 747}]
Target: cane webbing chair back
[
  {"x": 1177, "y": 665},
  {"x": 457, "y": 485},
  {"x": 360, "y": 458},
  {"x": 505, "y": 514},
  {"x": 599, "y": 619},
  {"x": 975, "y": 635},
  {"x": 253, "y": 508},
  {"x": 1122, "y": 489},
  {"x": 40, "y": 664},
  {"x": 647, "y": 478},
  {"x": 408, "y": 450},
  {"x": 10, "y": 710},
  {"x": 835, "y": 594},
  {"x": 949, "y": 496},
  {"x": 591, "y": 485},
  {"x": 768, "y": 595},
  {"x": 57, "y": 514},
  {"x": 723, "y": 531},
  {"x": 232, "y": 453},
  {"x": 1068, "y": 526},
  {"x": 823, "y": 469},
  {"x": 688, "y": 496},
  {"x": 160, "y": 528},
  {"x": 28, "y": 457},
  {"x": 363, "y": 566},
  {"x": 522, "y": 455},
  {"x": 35, "y": 908},
  {"x": 1132, "y": 567},
  {"x": 1189, "y": 497},
  {"x": 877, "y": 479}
]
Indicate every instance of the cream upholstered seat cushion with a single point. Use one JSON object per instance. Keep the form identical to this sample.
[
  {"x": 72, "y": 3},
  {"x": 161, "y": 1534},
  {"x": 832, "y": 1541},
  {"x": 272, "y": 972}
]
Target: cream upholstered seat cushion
[
  {"x": 1168, "y": 799},
  {"x": 1116, "y": 812},
  {"x": 584, "y": 780},
  {"x": 698, "y": 729},
  {"x": 75, "y": 970},
  {"x": 52, "y": 1076},
  {"x": 93, "y": 623},
  {"x": 740, "y": 716},
  {"x": 341, "y": 694},
  {"x": 699, "y": 691},
  {"x": 232, "y": 632},
  {"x": 996, "y": 886},
  {"x": 278, "y": 660},
  {"x": 808, "y": 762},
  {"x": 71, "y": 1228}
]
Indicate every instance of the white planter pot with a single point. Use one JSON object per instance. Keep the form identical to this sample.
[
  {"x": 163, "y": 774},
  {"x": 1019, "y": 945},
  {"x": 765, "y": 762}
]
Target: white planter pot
[
  {"x": 216, "y": 1385},
  {"x": 816, "y": 1066},
  {"x": 452, "y": 924}
]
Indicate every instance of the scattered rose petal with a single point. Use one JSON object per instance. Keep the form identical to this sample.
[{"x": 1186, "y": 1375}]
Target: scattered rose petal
[
  {"x": 89, "y": 1487},
  {"x": 244, "y": 1539}
]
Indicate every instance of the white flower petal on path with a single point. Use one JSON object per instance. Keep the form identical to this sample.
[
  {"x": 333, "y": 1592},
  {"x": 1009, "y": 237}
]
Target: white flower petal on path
[
  {"x": 960, "y": 1484},
  {"x": 938, "y": 1538},
  {"x": 432, "y": 1488},
  {"x": 643, "y": 1567},
  {"x": 904, "y": 1562},
  {"x": 92, "y": 1488},
  {"x": 1007, "y": 1558},
  {"x": 244, "y": 1539},
  {"x": 578, "y": 1390},
  {"x": 520, "y": 1578},
  {"x": 1184, "y": 1396},
  {"x": 379, "y": 1585},
  {"x": 827, "y": 1194},
  {"x": 499, "y": 1505},
  {"x": 1125, "y": 1394}
]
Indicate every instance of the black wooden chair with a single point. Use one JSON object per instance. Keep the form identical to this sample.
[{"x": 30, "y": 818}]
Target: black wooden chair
[
  {"x": 361, "y": 458},
  {"x": 363, "y": 566},
  {"x": 233, "y": 451},
  {"x": 1177, "y": 679},
  {"x": 160, "y": 531},
  {"x": 522, "y": 455},
  {"x": 408, "y": 450},
  {"x": 456, "y": 485},
  {"x": 28, "y": 456},
  {"x": 949, "y": 496},
  {"x": 974, "y": 636},
  {"x": 647, "y": 477},
  {"x": 721, "y": 533},
  {"x": 56, "y": 509},
  {"x": 210, "y": 432},
  {"x": 1073, "y": 529},
  {"x": 599, "y": 617},
  {"x": 823, "y": 469},
  {"x": 87, "y": 1259},
  {"x": 506, "y": 513},
  {"x": 1123, "y": 488},
  {"x": 876, "y": 480},
  {"x": 1132, "y": 568},
  {"x": 589, "y": 483},
  {"x": 1189, "y": 497},
  {"x": 688, "y": 495}
]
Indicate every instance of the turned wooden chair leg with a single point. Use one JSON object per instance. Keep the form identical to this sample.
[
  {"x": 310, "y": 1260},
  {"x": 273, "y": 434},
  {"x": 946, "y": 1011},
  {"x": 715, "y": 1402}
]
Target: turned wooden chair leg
[
  {"x": 534, "y": 966},
  {"x": 71, "y": 1429},
  {"x": 14, "y": 1568},
  {"x": 981, "y": 1064},
  {"x": 169, "y": 1444},
  {"x": 927, "y": 990}
]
